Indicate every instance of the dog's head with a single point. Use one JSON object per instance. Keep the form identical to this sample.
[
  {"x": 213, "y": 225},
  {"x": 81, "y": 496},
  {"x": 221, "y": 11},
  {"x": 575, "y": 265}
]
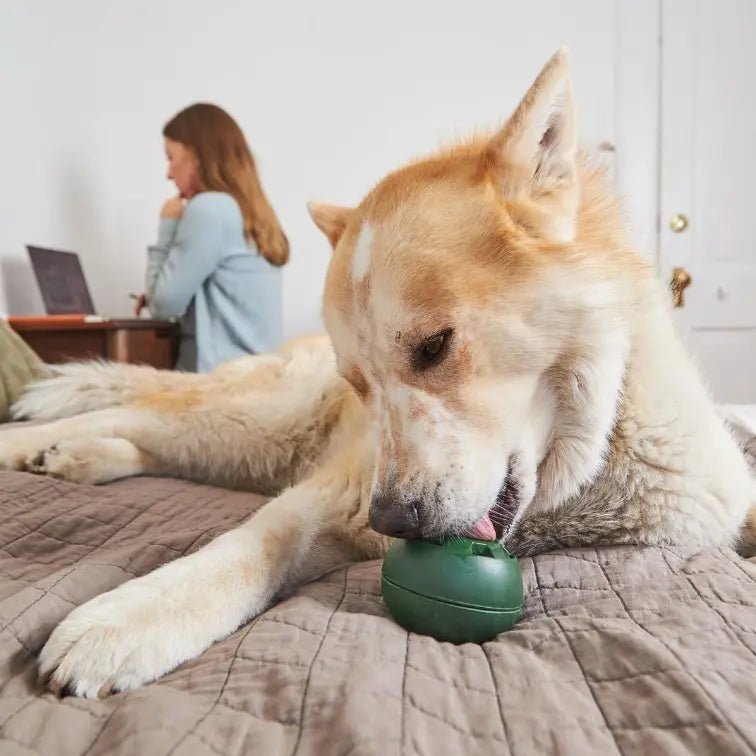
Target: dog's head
[{"x": 445, "y": 303}]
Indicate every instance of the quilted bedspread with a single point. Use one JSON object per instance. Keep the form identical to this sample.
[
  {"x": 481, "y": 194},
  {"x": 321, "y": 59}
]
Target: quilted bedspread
[{"x": 620, "y": 650}]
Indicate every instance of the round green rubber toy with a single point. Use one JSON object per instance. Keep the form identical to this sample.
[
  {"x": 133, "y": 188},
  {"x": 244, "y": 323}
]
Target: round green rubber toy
[{"x": 461, "y": 590}]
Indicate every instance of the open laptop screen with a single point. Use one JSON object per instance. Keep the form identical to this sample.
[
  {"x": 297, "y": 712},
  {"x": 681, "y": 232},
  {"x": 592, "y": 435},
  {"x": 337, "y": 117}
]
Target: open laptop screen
[{"x": 61, "y": 282}]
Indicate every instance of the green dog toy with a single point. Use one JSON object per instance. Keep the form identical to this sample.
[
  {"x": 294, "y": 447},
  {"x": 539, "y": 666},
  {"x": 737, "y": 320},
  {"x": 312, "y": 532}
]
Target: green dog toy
[{"x": 460, "y": 590}]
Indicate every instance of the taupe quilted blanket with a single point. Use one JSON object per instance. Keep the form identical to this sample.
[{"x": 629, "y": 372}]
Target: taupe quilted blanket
[{"x": 621, "y": 650}]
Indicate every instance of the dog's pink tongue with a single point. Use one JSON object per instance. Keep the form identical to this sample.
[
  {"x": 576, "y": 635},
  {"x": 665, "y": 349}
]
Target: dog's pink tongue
[{"x": 483, "y": 530}]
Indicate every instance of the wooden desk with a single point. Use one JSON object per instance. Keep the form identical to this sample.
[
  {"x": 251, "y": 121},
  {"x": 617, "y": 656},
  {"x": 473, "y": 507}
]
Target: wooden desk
[{"x": 62, "y": 338}]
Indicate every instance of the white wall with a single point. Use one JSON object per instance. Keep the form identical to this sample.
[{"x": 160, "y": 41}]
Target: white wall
[{"x": 331, "y": 94}]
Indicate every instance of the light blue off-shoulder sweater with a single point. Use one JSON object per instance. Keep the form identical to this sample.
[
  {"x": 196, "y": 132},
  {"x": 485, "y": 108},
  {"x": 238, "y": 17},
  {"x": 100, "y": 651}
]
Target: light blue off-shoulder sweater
[{"x": 225, "y": 293}]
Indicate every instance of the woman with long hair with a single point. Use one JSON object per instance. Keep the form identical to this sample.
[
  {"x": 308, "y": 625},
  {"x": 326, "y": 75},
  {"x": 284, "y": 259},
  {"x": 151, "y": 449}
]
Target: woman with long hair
[{"x": 216, "y": 264}]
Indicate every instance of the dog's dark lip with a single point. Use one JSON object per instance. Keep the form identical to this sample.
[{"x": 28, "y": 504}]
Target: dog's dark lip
[{"x": 505, "y": 508}]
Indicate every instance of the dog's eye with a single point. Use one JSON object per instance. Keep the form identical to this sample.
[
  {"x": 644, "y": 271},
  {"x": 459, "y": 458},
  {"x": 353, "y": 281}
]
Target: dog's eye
[{"x": 432, "y": 350}]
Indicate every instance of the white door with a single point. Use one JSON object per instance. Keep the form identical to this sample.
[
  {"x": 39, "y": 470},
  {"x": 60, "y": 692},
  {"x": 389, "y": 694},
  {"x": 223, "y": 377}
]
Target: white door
[{"x": 708, "y": 184}]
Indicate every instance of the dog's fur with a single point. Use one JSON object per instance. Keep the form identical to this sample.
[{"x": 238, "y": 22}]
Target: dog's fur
[{"x": 500, "y": 352}]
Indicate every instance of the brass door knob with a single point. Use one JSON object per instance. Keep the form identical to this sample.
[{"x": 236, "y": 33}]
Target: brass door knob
[
  {"x": 680, "y": 281},
  {"x": 678, "y": 222}
]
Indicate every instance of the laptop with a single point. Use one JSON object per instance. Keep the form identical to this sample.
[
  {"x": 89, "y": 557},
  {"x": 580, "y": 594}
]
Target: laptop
[{"x": 61, "y": 281}]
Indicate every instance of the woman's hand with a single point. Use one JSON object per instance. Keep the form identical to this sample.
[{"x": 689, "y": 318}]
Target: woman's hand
[
  {"x": 173, "y": 208},
  {"x": 140, "y": 304}
]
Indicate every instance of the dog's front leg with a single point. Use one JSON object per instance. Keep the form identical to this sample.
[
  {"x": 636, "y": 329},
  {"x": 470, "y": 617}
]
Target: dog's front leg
[
  {"x": 148, "y": 626},
  {"x": 587, "y": 397}
]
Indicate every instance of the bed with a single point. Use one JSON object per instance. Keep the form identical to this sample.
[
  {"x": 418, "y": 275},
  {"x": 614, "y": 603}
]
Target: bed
[{"x": 620, "y": 650}]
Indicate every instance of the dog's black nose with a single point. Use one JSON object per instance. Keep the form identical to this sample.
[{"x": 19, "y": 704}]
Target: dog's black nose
[{"x": 398, "y": 520}]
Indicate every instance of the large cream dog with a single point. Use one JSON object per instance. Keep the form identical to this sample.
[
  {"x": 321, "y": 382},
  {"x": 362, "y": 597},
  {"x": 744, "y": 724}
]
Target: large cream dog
[{"x": 505, "y": 366}]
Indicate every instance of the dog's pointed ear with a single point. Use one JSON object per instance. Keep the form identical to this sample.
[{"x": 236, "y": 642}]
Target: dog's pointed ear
[
  {"x": 330, "y": 219},
  {"x": 536, "y": 151}
]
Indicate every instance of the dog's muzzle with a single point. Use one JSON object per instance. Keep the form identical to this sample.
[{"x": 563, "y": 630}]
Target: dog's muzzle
[{"x": 392, "y": 515}]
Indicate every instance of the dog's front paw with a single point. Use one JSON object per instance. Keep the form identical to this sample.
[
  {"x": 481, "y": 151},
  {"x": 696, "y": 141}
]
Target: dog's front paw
[
  {"x": 148, "y": 626},
  {"x": 73, "y": 461},
  {"x": 115, "y": 642}
]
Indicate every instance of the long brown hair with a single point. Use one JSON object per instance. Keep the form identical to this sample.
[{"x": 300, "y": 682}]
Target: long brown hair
[{"x": 226, "y": 165}]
